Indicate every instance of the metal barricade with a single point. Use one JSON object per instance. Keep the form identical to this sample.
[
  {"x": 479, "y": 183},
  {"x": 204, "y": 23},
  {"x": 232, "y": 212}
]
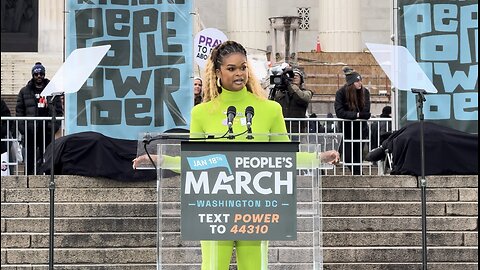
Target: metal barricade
[
  {"x": 313, "y": 127},
  {"x": 362, "y": 144},
  {"x": 27, "y": 148}
]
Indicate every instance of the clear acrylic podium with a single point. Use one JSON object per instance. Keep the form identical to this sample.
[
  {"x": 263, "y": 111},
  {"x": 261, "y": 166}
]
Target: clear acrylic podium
[{"x": 303, "y": 249}]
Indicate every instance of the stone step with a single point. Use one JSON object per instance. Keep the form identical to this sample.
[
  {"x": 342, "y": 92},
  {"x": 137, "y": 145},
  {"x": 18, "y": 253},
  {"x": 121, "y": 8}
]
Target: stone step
[
  {"x": 390, "y": 181},
  {"x": 172, "y": 224},
  {"x": 344, "y": 58},
  {"x": 400, "y": 266},
  {"x": 79, "y": 195},
  {"x": 149, "y": 239},
  {"x": 186, "y": 255},
  {"x": 326, "y": 266},
  {"x": 148, "y": 209},
  {"x": 280, "y": 266},
  {"x": 397, "y": 254}
]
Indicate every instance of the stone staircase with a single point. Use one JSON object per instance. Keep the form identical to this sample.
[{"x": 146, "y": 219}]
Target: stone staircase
[
  {"x": 369, "y": 223},
  {"x": 325, "y": 75}
]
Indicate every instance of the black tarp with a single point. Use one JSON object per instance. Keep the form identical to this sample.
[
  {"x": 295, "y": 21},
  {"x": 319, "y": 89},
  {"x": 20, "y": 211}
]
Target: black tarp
[
  {"x": 447, "y": 151},
  {"x": 95, "y": 155}
]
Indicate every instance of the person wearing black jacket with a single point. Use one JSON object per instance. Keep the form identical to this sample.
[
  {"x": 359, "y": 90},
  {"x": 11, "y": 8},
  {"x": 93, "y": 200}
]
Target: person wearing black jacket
[
  {"x": 381, "y": 130},
  {"x": 352, "y": 101},
  {"x": 31, "y": 104},
  {"x": 294, "y": 99}
]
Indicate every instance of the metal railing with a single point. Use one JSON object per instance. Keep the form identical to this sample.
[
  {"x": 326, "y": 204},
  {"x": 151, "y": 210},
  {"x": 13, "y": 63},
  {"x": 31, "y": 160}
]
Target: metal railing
[
  {"x": 362, "y": 142},
  {"x": 312, "y": 128},
  {"x": 25, "y": 149}
]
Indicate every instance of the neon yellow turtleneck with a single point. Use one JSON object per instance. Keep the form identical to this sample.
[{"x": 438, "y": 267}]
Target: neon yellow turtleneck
[{"x": 210, "y": 117}]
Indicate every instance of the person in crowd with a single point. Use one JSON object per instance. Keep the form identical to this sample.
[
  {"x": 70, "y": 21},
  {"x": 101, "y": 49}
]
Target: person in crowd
[
  {"x": 381, "y": 130},
  {"x": 197, "y": 90},
  {"x": 330, "y": 124},
  {"x": 5, "y": 130},
  {"x": 315, "y": 126},
  {"x": 230, "y": 81},
  {"x": 36, "y": 135},
  {"x": 352, "y": 102},
  {"x": 294, "y": 99}
]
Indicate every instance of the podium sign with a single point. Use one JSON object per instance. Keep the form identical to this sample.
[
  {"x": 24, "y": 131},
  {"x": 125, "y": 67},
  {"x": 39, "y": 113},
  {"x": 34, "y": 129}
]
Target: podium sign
[
  {"x": 211, "y": 189},
  {"x": 238, "y": 191}
]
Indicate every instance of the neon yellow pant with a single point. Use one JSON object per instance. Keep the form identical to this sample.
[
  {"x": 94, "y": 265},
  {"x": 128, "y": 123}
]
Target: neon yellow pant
[{"x": 251, "y": 255}]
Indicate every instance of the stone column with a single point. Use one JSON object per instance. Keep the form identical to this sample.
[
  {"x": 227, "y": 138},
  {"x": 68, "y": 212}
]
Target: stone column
[
  {"x": 50, "y": 27},
  {"x": 340, "y": 25},
  {"x": 247, "y": 22}
]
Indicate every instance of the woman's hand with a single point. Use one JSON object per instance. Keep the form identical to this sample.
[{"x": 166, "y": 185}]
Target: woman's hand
[
  {"x": 330, "y": 157},
  {"x": 144, "y": 160}
]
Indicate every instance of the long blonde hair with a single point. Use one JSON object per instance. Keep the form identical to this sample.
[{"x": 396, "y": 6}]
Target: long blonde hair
[{"x": 210, "y": 89}]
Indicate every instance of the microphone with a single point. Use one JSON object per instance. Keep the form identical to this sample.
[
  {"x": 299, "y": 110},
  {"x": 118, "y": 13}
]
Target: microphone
[
  {"x": 231, "y": 113},
  {"x": 147, "y": 138},
  {"x": 249, "y": 115}
]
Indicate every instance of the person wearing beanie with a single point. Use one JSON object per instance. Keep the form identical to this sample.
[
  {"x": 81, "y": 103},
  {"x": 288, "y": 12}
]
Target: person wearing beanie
[
  {"x": 197, "y": 90},
  {"x": 38, "y": 68},
  {"x": 352, "y": 102},
  {"x": 36, "y": 135},
  {"x": 294, "y": 99}
]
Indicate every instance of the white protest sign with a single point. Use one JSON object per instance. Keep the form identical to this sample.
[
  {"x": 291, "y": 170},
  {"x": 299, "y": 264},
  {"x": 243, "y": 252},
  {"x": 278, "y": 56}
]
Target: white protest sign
[{"x": 204, "y": 43}]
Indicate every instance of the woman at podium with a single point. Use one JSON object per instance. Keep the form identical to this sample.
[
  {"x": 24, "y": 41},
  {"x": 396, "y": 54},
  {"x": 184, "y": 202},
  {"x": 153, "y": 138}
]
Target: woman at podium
[
  {"x": 231, "y": 95},
  {"x": 231, "y": 82}
]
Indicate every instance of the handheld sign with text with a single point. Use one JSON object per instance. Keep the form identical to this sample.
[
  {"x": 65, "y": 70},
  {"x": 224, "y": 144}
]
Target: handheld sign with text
[{"x": 205, "y": 41}]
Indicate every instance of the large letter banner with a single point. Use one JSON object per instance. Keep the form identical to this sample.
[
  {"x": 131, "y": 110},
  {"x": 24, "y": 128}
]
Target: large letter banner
[
  {"x": 144, "y": 82},
  {"x": 442, "y": 35},
  {"x": 238, "y": 194}
]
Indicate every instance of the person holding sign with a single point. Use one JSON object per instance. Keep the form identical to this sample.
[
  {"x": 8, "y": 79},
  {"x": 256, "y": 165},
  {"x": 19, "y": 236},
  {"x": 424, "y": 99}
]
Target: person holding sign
[{"x": 230, "y": 82}]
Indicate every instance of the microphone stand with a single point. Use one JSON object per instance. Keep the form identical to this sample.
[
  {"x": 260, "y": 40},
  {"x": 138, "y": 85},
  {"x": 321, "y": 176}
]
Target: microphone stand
[
  {"x": 423, "y": 182},
  {"x": 230, "y": 136},
  {"x": 51, "y": 187},
  {"x": 249, "y": 132}
]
